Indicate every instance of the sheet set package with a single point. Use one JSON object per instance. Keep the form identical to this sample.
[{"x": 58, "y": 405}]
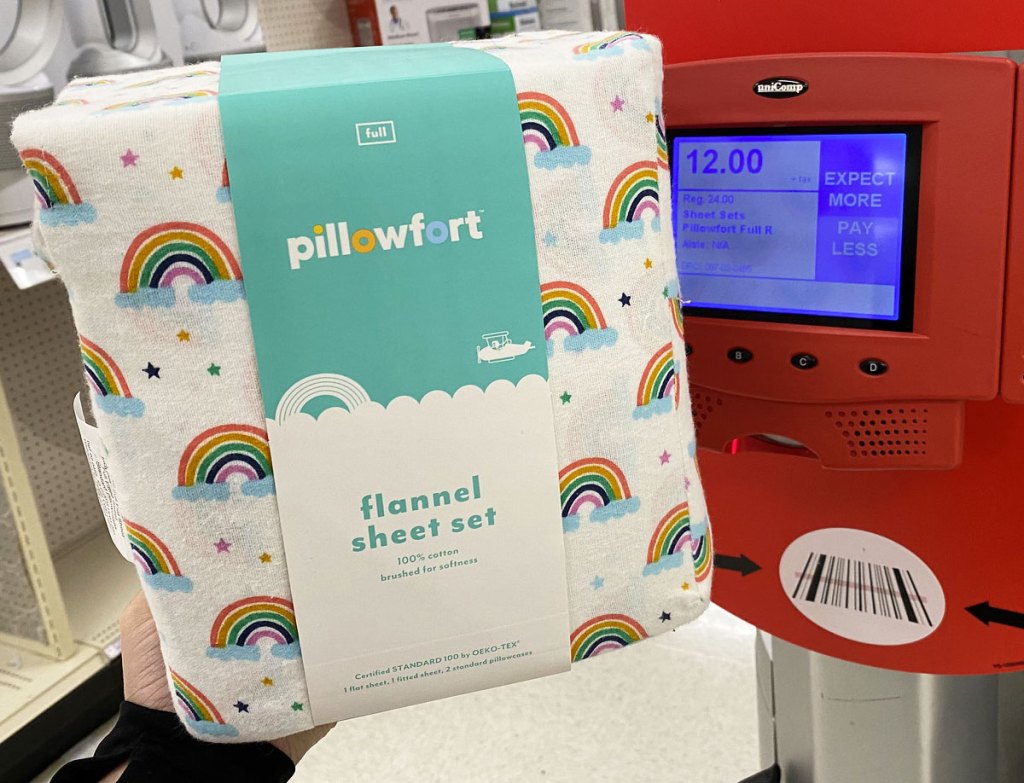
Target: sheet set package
[{"x": 135, "y": 205}]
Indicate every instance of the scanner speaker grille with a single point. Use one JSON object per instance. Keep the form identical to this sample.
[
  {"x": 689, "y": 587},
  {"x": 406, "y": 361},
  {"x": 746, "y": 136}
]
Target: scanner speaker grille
[{"x": 877, "y": 433}]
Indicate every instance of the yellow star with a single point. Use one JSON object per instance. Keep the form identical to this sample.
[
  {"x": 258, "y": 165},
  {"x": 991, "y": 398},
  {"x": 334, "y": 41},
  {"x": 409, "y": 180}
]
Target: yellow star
[
  {"x": 183, "y": 336},
  {"x": 177, "y": 173},
  {"x": 686, "y": 585},
  {"x": 650, "y": 117},
  {"x": 648, "y": 264},
  {"x": 267, "y": 681},
  {"x": 264, "y": 558}
]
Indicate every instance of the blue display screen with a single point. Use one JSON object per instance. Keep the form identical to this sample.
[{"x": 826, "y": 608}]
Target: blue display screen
[{"x": 799, "y": 225}]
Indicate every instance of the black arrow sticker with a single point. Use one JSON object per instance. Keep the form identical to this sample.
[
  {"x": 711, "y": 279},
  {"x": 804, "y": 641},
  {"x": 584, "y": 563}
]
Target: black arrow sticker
[
  {"x": 743, "y": 564},
  {"x": 990, "y": 614}
]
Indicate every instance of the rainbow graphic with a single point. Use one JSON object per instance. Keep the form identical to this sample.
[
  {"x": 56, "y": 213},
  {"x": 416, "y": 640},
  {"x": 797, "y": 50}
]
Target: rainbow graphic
[
  {"x": 603, "y": 634},
  {"x": 198, "y": 710},
  {"x": 216, "y": 456},
  {"x": 143, "y": 103},
  {"x": 549, "y": 128},
  {"x": 676, "y": 306},
  {"x": 672, "y": 537},
  {"x": 165, "y": 253},
  {"x": 633, "y": 193},
  {"x": 658, "y": 391},
  {"x": 171, "y": 77},
  {"x": 155, "y": 561},
  {"x": 89, "y": 82},
  {"x": 109, "y": 387},
  {"x": 71, "y": 102},
  {"x": 702, "y": 551},
  {"x": 568, "y": 307},
  {"x": 610, "y": 46},
  {"x": 55, "y": 190},
  {"x": 596, "y": 483},
  {"x": 659, "y": 125},
  {"x": 224, "y": 191},
  {"x": 242, "y": 625}
]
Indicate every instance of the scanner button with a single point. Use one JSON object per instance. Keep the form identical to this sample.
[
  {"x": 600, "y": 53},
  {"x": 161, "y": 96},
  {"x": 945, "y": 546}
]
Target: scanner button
[
  {"x": 740, "y": 355},
  {"x": 874, "y": 367},
  {"x": 804, "y": 361}
]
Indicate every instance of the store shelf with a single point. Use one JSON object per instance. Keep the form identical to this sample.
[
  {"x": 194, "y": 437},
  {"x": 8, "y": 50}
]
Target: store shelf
[{"x": 96, "y": 583}]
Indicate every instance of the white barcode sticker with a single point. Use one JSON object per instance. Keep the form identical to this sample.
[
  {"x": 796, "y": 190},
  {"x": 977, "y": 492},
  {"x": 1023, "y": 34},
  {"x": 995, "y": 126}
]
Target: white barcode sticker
[
  {"x": 19, "y": 258},
  {"x": 99, "y": 464},
  {"x": 862, "y": 586}
]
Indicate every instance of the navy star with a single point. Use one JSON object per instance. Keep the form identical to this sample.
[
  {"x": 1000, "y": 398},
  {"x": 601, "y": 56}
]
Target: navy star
[
  {"x": 625, "y": 301},
  {"x": 665, "y": 616},
  {"x": 151, "y": 371},
  {"x": 241, "y": 706}
]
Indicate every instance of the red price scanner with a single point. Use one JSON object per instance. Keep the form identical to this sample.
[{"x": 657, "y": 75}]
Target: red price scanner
[
  {"x": 841, "y": 229},
  {"x": 852, "y": 271}
]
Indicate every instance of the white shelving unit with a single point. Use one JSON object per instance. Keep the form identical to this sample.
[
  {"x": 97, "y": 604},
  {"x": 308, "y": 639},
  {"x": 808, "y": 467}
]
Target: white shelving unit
[{"x": 63, "y": 581}]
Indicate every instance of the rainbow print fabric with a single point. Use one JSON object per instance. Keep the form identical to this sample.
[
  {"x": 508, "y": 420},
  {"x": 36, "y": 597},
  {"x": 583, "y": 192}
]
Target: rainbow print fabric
[{"x": 135, "y": 208}]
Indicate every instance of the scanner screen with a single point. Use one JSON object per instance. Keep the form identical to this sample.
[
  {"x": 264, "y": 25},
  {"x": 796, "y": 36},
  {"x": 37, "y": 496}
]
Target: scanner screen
[{"x": 804, "y": 225}]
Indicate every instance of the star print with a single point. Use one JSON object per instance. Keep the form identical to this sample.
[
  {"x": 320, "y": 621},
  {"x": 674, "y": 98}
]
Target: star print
[
  {"x": 617, "y": 104},
  {"x": 665, "y": 616},
  {"x": 222, "y": 545},
  {"x": 550, "y": 239},
  {"x": 151, "y": 371},
  {"x": 664, "y": 292},
  {"x": 625, "y": 301},
  {"x": 686, "y": 585},
  {"x": 565, "y": 397},
  {"x": 686, "y": 483},
  {"x": 177, "y": 173},
  {"x": 664, "y": 457},
  {"x": 213, "y": 369},
  {"x": 183, "y": 336},
  {"x": 128, "y": 159},
  {"x": 296, "y": 706},
  {"x": 265, "y": 558},
  {"x": 648, "y": 264},
  {"x": 241, "y": 706},
  {"x": 649, "y": 117},
  {"x": 267, "y": 681},
  {"x": 598, "y": 582}
]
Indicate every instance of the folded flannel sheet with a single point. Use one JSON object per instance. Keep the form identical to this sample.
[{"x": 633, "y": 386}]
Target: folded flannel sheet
[{"x": 135, "y": 213}]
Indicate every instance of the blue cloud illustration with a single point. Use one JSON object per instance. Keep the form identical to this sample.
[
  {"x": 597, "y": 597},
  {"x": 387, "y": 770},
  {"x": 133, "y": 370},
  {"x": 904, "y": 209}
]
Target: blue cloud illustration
[
  {"x": 119, "y": 406},
  {"x": 67, "y": 214},
  {"x": 562, "y": 157}
]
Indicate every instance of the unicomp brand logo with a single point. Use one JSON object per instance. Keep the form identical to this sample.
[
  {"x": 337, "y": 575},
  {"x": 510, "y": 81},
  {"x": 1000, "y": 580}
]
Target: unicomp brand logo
[
  {"x": 780, "y": 87},
  {"x": 330, "y": 240}
]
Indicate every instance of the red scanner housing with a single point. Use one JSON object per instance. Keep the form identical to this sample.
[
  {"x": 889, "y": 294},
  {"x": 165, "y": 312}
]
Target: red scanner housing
[
  {"x": 912, "y": 415},
  {"x": 946, "y": 403}
]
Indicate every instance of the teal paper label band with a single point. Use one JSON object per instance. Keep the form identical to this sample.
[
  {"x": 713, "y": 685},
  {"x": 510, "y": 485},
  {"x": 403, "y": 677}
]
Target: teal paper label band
[
  {"x": 383, "y": 212},
  {"x": 384, "y": 219}
]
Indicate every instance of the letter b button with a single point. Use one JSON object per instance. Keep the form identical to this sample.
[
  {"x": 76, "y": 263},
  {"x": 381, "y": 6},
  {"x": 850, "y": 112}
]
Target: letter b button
[{"x": 740, "y": 355}]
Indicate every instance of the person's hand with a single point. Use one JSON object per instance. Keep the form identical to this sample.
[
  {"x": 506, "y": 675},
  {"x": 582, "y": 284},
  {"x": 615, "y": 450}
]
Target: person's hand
[{"x": 145, "y": 682}]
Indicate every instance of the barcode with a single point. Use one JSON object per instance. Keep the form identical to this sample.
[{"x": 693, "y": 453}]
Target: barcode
[{"x": 884, "y": 591}]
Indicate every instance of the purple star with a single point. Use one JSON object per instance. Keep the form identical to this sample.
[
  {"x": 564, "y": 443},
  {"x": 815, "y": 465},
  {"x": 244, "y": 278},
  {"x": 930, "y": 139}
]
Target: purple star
[
  {"x": 128, "y": 159},
  {"x": 686, "y": 483},
  {"x": 664, "y": 457},
  {"x": 222, "y": 545},
  {"x": 617, "y": 104}
]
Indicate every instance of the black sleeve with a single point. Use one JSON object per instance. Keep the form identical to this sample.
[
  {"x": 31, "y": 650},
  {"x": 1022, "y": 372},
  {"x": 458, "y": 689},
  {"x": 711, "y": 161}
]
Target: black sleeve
[{"x": 159, "y": 749}]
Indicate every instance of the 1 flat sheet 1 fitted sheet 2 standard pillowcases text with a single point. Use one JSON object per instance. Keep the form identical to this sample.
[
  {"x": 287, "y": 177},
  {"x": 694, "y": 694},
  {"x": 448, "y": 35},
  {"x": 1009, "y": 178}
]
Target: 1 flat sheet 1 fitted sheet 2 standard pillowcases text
[{"x": 136, "y": 213}]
